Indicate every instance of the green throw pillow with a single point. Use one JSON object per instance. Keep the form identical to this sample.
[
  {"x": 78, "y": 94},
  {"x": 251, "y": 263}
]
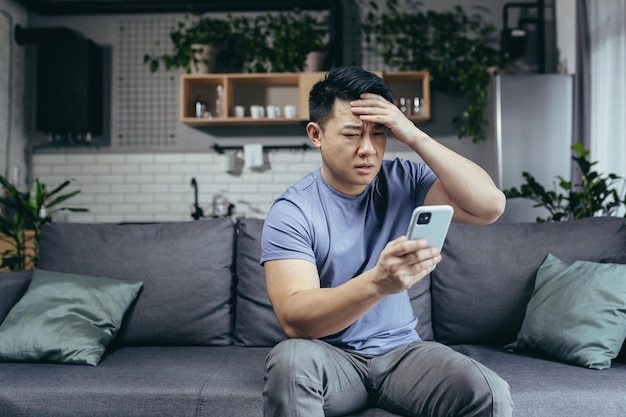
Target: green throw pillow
[
  {"x": 65, "y": 318},
  {"x": 577, "y": 313}
]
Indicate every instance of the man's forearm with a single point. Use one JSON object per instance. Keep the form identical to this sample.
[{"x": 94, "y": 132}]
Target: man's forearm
[
  {"x": 318, "y": 312},
  {"x": 464, "y": 182}
]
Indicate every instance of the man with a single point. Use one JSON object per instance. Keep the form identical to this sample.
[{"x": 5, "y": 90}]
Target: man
[{"x": 338, "y": 267}]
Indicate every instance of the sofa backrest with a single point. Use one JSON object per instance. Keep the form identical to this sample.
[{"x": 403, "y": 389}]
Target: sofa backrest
[
  {"x": 255, "y": 322},
  {"x": 479, "y": 292},
  {"x": 13, "y": 285},
  {"x": 481, "y": 288},
  {"x": 186, "y": 269}
]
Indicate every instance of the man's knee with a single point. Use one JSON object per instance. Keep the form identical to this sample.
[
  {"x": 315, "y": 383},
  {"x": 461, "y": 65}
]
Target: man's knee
[
  {"x": 486, "y": 393},
  {"x": 296, "y": 359},
  {"x": 467, "y": 387},
  {"x": 291, "y": 354}
]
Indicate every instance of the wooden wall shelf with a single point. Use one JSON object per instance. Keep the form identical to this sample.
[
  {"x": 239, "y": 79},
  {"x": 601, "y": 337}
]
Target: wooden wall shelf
[{"x": 279, "y": 89}]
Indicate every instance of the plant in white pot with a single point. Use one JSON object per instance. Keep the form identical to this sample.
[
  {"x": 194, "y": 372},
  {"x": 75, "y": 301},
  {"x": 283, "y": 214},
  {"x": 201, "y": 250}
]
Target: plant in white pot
[
  {"x": 294, "y": 41},
  {"x": 196, "y": 43}
]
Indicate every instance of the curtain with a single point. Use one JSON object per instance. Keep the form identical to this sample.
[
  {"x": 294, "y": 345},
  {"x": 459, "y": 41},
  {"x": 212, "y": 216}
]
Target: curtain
[
  {"x": 607, "y": 84},
  {"x": 6, "y": 90},
  {"x": 581, "y": 81}
]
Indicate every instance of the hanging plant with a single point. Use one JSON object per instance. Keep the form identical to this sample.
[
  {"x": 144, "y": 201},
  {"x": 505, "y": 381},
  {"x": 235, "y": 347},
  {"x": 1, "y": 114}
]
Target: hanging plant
[{"x": 458, "y": 50}]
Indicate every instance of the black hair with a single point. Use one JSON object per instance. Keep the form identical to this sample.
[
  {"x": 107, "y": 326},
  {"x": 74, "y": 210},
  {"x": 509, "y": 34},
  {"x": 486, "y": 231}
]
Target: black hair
[{"x": 346, "y": 83}]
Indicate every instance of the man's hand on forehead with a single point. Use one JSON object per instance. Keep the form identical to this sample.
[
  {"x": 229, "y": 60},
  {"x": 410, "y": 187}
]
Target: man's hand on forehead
[
  {"x": 372, "y": 105},
  {"x": 376, "y": 109}
]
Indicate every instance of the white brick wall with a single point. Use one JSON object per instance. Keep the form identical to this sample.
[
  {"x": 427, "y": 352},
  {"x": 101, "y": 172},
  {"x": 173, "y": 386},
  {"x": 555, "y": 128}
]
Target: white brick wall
[{"x": 150, "y": 187}]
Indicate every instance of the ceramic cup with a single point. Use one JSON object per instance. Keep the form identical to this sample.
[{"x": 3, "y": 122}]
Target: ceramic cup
[
  {"x": 290, "y": 111},
  {"x": 256, "y": 112},
  {"x": 273, "y": 112},
  {"x": 240, "y": 111}
]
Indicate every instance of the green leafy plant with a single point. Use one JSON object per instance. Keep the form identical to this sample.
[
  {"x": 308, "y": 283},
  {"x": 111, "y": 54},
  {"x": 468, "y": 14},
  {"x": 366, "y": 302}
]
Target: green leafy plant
[
  {"x": 458, "y": 50},
  {"x": 285, "y": 39},
  {"x": 272, "y": 42},
  {"x": 596, "y": 194},
  {"x": 186, "y": 38},
  {"x": 24, "y": 213}
]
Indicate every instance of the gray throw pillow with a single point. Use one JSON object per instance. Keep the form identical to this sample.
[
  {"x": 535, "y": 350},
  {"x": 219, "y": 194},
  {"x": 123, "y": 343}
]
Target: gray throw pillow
[
  {"x": 65, "y": 318},
  {"x": 620, "y": 259},
  {"x": 577, "y": 313}
]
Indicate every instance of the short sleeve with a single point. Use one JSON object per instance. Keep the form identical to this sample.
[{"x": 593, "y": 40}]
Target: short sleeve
[{"x": 286, "y": 234}]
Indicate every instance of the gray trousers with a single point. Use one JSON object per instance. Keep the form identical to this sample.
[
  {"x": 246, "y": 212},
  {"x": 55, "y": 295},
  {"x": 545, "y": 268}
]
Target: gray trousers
[{"x": 310, "y": 378}]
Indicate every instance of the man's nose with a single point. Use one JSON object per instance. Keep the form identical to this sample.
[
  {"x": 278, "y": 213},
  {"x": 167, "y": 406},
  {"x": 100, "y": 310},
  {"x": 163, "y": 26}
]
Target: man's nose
[{"x": 365, "y": 146}]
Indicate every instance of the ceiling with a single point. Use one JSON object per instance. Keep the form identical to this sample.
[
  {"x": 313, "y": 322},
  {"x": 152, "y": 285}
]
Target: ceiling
[{"x": 74, "y": 7}]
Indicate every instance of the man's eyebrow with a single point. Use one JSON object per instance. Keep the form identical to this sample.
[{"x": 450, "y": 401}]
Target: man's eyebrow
[{"x": 359, "y": 127}]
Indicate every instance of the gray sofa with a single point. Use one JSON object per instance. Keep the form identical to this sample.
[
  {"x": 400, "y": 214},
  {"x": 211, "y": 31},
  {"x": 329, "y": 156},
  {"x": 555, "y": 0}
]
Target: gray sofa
[{"x": 194, "y": 341}]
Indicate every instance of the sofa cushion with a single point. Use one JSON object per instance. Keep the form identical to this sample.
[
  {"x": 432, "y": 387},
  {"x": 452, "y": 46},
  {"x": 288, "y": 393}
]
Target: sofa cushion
[
  {"x": 65, "y": 318},
  {"x": 543, "y": 387},
  {"x": 146, "y": 381},
  {"x": 255, "y": 322},
  {"x": 13, "y": 285},
  {"x": 481, "y": 288},
  {"x": 186, "y": 269},
  {"x": 577, "y": 313}
]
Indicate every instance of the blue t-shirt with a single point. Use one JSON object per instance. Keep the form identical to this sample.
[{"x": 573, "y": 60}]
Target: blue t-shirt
[{"x": 344, "y": 236}]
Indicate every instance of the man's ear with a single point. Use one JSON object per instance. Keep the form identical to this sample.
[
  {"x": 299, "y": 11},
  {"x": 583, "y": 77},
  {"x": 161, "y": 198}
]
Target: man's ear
[{"x": 315, "y": 134}]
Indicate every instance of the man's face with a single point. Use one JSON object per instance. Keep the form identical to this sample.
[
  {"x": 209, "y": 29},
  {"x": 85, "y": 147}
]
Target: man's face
[{"x": 352, "y": 150}]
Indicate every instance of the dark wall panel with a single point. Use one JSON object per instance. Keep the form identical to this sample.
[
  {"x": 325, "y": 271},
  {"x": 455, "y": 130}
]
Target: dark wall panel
[{"x": 69, "y": 86}]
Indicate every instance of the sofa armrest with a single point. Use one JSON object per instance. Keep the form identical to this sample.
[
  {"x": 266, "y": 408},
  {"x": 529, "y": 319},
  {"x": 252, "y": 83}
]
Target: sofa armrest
[{"x": 13, "y": 285}]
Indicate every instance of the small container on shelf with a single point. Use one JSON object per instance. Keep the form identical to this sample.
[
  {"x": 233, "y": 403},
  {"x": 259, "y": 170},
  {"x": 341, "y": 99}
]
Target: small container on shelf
[
  {"x": 219, "y": 101},
  {"x": 200, "y": 107},
  {"x": 417, "y": 106}
]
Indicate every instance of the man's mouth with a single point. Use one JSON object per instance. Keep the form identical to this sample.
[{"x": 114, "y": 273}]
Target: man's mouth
[{"x": 364, "y": 169}]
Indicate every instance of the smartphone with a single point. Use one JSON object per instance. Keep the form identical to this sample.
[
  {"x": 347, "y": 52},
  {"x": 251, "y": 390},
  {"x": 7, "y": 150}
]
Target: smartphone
[{"x": 430, "y": 223}]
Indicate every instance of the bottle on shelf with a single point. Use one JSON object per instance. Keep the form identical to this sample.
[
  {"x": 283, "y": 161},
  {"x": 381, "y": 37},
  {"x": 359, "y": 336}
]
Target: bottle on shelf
[
  {"x": 200, "y": 106},
  {"x": 219, "y": 102}
]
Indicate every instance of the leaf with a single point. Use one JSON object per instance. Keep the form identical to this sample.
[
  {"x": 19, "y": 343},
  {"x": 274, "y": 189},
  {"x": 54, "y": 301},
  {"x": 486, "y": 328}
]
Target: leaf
[
  {"x": 36, "y": 195},
  {"x": 62, "y": 198},
  {"x": 59, "y": 188}
]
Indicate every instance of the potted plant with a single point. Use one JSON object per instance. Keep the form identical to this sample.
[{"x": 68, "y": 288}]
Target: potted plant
[
  {"x": 22, "y": 217},
  {"x": 248, "y": 49},
  {"x": 196, "y": 42},
  {"x": 293, "y": 41},
  {"x": 459, "y": 51},
  {"x": 595, "y": 195}
]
